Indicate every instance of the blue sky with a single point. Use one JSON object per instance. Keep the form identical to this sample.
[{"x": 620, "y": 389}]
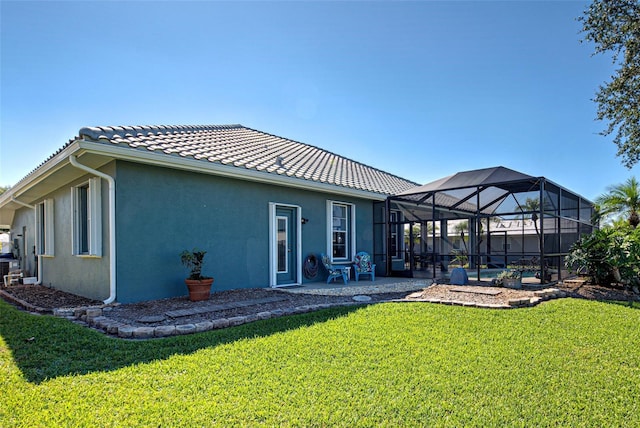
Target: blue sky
[{"x": 420, "y": 89}]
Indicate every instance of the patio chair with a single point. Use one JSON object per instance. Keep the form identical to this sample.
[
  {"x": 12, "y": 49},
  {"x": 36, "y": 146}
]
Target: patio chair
[
  {"x": 362, "y": 266},
  {"x": 334, "y": 271}
]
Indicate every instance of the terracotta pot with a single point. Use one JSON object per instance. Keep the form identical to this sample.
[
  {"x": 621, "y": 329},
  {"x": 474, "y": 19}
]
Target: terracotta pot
[{"x": 199, "y": 289}]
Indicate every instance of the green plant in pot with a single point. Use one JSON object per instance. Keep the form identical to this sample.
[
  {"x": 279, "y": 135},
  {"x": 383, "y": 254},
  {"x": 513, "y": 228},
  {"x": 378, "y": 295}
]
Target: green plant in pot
[
  {"x": 510, "y": 278},
  {"x": 199, "y": 286}
]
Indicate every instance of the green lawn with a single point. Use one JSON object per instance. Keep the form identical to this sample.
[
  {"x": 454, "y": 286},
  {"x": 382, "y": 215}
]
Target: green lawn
[{"x": 562, "y": 363}]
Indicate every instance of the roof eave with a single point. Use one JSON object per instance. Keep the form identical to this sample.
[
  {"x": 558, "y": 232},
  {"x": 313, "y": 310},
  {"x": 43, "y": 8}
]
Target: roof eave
[
  {"x": 40, "y": 174},
  {"x": 80, "y": 147}
]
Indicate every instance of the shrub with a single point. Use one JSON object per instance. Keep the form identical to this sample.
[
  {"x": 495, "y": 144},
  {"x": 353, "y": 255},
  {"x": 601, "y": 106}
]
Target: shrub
[
  {"x": 608, "y": 256},
  {"x": 506, "y": 275}
]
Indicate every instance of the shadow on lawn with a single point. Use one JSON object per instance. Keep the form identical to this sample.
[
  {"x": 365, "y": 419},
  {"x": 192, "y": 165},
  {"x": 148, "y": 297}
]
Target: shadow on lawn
[
  {"x": 45, "y": 347},
  {"x": 628, "y": 303}
]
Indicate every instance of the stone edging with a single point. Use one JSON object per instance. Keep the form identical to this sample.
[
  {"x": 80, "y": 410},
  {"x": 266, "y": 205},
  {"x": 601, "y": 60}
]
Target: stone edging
[
  {"x": 522, "y": 302},
  {"x": 97, "y": 316}
]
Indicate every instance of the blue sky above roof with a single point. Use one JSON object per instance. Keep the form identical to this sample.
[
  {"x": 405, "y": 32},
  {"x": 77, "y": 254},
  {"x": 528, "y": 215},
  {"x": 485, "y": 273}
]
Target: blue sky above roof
[{"x": 419, "y": 89}]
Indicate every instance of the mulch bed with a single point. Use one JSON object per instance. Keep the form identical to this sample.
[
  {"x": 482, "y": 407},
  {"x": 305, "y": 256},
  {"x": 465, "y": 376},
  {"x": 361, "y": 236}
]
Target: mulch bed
[{"x": 48, "y": 298}]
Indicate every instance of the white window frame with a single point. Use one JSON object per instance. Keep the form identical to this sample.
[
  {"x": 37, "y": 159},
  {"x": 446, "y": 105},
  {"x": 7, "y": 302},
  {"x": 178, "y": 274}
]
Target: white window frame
[
  {"x": 93, "y": 220},
  {"x": 350, "y": 233},
  {"x": 44, "y": 224}
]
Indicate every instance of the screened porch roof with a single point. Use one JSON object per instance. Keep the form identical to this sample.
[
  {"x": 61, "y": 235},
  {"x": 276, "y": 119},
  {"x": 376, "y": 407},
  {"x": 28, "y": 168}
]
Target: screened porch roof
[{"x": 486, "y": 191}]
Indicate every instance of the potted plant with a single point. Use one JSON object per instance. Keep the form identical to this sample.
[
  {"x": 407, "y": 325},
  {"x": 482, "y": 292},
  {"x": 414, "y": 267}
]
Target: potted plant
[
  {"x": 510, "y": 278},
  {"x": 199, "y": 286}
]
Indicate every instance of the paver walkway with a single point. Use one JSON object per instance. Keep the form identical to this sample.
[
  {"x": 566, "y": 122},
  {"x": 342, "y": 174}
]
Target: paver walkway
[
  {"x": 221, "y": 307},
  {"x": 476, "y": 291}
]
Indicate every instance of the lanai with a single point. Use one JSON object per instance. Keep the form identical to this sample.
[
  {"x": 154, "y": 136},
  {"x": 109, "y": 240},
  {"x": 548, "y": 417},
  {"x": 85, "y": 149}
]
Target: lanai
[{"x": 468, "y": 219}]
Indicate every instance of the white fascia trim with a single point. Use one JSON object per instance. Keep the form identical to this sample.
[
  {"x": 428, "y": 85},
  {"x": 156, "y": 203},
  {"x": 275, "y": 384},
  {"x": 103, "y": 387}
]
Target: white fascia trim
[
  {"x": 39, "y": 175},
  {"x": 190, "y": 164}
]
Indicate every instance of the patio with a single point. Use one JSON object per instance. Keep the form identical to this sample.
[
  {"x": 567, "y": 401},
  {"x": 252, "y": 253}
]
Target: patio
[
  {"x": 486, "y": 219},
  {"x": 365, "y": 287}
]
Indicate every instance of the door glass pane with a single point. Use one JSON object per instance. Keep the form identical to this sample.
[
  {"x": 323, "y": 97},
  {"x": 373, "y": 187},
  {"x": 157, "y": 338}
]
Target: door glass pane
[{"x": 282, "y": 244}]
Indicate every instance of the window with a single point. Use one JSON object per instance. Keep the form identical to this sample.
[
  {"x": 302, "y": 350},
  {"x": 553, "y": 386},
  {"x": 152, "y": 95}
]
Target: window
[
  {"x": 87, "y": 218},
  {"x": 44, "y": 233},
  {"x": 342, "y": 230}
]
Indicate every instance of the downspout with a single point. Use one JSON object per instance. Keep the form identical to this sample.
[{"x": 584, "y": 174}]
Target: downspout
[
  {"x": 35, "y": 230},
  {"x": 112, "y": 224}
]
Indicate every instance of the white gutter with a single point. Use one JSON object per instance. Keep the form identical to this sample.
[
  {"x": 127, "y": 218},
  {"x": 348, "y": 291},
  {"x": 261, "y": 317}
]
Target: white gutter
[
  {"x": 112, "y": 224},
  {"x": 35, "y": 231}
]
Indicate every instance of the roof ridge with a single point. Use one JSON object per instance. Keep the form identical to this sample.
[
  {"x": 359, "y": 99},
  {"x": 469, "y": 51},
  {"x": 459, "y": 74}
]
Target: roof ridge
[{"x": 108, "y": 132}]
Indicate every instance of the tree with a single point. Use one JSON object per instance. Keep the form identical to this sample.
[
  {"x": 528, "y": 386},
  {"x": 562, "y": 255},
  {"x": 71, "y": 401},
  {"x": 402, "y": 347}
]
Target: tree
[
  {"x": 621, "y": 200},
  {"x": 614, "y": 26},
  {"x": 4, "y": 189}
]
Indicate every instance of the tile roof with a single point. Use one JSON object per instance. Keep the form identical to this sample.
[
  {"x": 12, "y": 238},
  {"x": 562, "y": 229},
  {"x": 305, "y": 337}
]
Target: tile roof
[{"x": 242, "y": 147}]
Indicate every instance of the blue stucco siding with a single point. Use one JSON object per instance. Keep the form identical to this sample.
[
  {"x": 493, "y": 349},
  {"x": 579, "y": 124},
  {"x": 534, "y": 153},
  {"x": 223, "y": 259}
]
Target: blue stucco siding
[{"x": 161, "y": 212}]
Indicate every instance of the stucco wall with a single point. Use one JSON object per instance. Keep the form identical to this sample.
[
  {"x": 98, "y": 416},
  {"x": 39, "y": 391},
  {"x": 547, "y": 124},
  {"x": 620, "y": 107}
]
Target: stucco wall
[
  {"x": 83, "y": 276},
  {"x": 161, "y": 212},
  {"x": 22, "y": 231}
]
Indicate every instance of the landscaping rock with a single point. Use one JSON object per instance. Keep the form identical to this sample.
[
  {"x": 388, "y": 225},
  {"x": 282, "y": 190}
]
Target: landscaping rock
[
  {"x": 99, "y": 322},
  {"x": 63, "y": 312},
  {"x": 93, "y": 312},
  {"x": 204, "y": 326},
  {"x": 250, "y": 318},
  {"x": 114, "y": 327},
  {"x": 237, "y": 321},
  {"x": 126, "y": 331},
  {"x": 151, "y": 319},
  {"x": 143, "y": 332},
  {"x": 519, "y": 302},
  {"x": 185, "y": 329},
  {"x": 164, "y": 330},
  {"x": 361, "y": 298},
  {"x": 220, "y": 323}
]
